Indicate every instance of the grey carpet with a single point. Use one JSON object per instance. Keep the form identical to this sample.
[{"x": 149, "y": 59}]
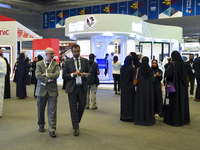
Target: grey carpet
[{"x": 99, "y": 129}]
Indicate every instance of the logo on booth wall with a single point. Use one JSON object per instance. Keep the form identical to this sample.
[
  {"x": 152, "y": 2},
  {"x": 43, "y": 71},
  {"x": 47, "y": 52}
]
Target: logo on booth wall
[
  {"x": 4, "y": 32},
  {"x": 90, "y": 22}
]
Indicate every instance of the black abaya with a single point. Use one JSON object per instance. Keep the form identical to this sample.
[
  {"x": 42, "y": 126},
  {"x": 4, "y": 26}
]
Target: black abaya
[
  {"x": 127, "y": 91},
  {"x": 21, "y": 77},
  {"x": 177, "y": 112},
  {"x": 7, "y": 81}
]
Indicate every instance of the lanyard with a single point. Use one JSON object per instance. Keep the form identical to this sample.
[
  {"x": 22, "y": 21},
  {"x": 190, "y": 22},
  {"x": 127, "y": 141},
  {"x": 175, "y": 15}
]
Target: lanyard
[{"x": 46, "y": 65}]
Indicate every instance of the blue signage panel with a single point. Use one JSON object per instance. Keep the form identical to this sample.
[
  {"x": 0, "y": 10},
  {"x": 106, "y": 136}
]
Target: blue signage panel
[
  {"x": 123, "y": 8},
  {"x": 65, "y": 15},
  {"x": 142, "y": 8},
  {"x": 52, "y": 19},
  {"x": 97, "y": 9},
  {"x": 88, "y": 10},
  {"x": 45, "y": 20},
  {"x": 114, "y": 8},
  {"x": 59, "y": 18},
  {"x": 197, "y": 7},
  {"x": 165, "y": 7},
  {"x": 133, "y": 7},
  {"x": 153, "y": 9},
  {"x": 188, "y": 7},
  {"x": 81, "y": 11},
  {"x": 105, "y": 9},
  {"x": 72, "y": 12},
  {"x": 176, "y": 6}
]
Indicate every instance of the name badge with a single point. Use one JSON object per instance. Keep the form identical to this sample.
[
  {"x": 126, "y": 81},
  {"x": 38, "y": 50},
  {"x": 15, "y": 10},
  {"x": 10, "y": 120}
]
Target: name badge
[
  {"x": 78, "y": 80},
  {"x": 167, "y": 101}
]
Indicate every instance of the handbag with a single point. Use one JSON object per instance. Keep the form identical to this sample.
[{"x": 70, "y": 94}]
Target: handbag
[
  {"x": 135, "y": 81},
  {"x": 170, "y": 87}
]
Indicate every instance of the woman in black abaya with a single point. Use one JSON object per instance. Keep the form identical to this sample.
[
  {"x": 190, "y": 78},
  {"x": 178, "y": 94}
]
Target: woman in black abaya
[
  {"x": 7, "y": 81},
  {"x": 21, "y": 77},
  {"x": 127, "y": 72},
  {"x": 177, "y": 111},
  {"x": 144, "y": 103},
  {"x": 136, "y": 62},
  {"x": 157, "y": 90}
]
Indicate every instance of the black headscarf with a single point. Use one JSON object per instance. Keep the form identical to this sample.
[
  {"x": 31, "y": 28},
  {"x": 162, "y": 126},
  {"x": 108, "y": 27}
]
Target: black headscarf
[
  {"x": 91, "y": 59},
  {"x": 180, "y": 67},
  {"x": 135, "y": 58},
  {"x": 39, "y": 58},
  {"x": 21, "y": 66},
  {"x": 145, "y": 68},
  {"x": 126, "y": 72}
]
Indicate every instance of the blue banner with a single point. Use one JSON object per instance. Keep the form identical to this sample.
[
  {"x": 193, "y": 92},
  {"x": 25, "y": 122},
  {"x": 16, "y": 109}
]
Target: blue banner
[
  {"x": 123, "y": 8},
  {"x": 97, "y": 9},
  {"x": 188, "y": 7},
  {"x": 153, "y": 9},
  {"x": 72, "y": 12},
  {"x": 142, "y": 8},
  {"x": 45, "y": 20},
  {"x": 133, "y": 7},
  {"x": 81, "y": 11},
  {"x": 114, "y": 8},
  {"x": 105, "y": 9},
  {"x": 176, "y": 7},
  {"x": 197, "y": 7},
  {"x": 165, "y": 7},
  {"x": 59, "y": 19},
  {"x": 65, "y": 14},
  {"x": 52, "y": 19},
  {"x": 88, "y": 10}
]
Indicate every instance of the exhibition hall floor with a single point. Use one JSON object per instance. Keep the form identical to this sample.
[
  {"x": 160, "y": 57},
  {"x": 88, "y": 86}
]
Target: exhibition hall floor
[{"x": 100, "y": 129}]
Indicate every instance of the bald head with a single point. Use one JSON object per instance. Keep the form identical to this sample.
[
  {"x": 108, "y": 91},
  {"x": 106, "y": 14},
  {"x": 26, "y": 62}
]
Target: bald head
[{"x": 49, "y": 54}]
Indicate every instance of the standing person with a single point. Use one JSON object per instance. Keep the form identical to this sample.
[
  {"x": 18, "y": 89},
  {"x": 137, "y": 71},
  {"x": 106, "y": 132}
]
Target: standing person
[
  {"x": 190, "y": 74},
  {"x": 144, "y": 103},
  {"x": 127, "y": 72},
  {"x": 15, "y": 70},
  {"x": 136, "y": 62},
  {"x": 197, "y": 74},
  {"x": 47, "y": 72},
  {"x": 93, "y": 82},
  {"x": 110, "y": 68},
  {"x": 76, "y": 72},
  {"x": 33, "y": 79},
  {"x": 21, "y": 77},
  {"x": 3, "y": 71},
  {"x": 106, "y": 58},
  {"x": 38, "y": 58},
  {"x": 28, "y": 78},
  {"x": 157, "y": 90},
  {"x": 177, "y": 103},
  {"x": 116, "y": 74},
  {"x": 7, "y": 81}
]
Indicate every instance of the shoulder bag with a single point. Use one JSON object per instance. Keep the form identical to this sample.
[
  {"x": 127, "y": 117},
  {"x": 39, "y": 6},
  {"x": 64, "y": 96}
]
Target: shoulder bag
[
  {"x": 170, "y": 87},
  {"x": 136, "y": 78}
]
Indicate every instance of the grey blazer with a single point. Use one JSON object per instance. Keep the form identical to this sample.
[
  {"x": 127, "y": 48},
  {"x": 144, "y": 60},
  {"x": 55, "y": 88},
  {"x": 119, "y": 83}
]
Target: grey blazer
[
  {"x": 70, "y": 68},
  {"x": 53, "y": 73}
]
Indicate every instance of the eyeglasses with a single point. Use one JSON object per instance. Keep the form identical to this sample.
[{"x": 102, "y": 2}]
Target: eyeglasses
[{"x": 51, "y": 53}]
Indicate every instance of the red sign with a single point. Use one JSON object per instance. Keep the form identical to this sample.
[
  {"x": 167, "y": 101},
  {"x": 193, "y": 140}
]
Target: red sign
[{"x": 4, "y": 32}]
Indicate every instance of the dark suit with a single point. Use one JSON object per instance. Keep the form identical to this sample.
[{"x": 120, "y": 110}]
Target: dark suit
[
  {"x": 190, "y": 76},
  {"x": 76, "y": 93},
  {"x": 48, "y": 92},
  {"x": 197, "y": 74}
]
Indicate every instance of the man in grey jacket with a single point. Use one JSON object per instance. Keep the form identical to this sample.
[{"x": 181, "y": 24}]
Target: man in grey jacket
[{"x": 47, "y": 72}]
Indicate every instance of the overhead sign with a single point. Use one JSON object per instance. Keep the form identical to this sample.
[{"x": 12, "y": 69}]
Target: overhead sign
[
  {"x": 137, "y": 27},
  {"x": 4, "y": 32}
]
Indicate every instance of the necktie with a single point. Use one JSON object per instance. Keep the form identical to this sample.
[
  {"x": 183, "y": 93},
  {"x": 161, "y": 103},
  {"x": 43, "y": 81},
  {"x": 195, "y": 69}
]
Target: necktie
[
  {"x": 47, "y": 64},
  {"x": 77, "y": 63}
]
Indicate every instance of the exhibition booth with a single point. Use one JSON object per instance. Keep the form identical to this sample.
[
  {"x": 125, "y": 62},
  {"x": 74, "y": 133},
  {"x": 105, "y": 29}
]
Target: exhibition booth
[
  {"x": 121, "y": 34},
  {"x": 12, "y": 33}
]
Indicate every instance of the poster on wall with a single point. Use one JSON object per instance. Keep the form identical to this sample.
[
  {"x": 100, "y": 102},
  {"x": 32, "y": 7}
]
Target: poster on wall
[
  {"x": 105, "y": 9},
  {"x": 72, "y": 12},
  {"x": 97, "y": 9},
  {"x": 142, "y": 9},
  {"x": 197, "y": 7},
  {"x": 81, "y": 11},
  {"x": 45, "y": 20},
  {"x": 52, "y": 19},
  {"x": 114, "y": 8},
  {"x": 188, "y": 8},
  {"x": 164, "y": 11},
  {"x": 88, "y": 10},
  {"x": 65, "y": 15},
  {"x": 59, "y": 19},
  {"x": 123, "y": 8},
  {"x": 176, "y": 8},
  {"x": 133, "y": 7},
  {"x": 153, "y": 9}
]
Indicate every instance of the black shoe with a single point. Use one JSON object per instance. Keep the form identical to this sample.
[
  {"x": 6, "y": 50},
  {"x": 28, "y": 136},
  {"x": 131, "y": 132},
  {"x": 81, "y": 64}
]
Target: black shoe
[
  {"x": 52, "y": 134},
  {"x": 76, "y": 132},
  {"x": 95, "y": 107},
  {"x": 86, "y": 107},
  {"x": 41, "y": 129}
]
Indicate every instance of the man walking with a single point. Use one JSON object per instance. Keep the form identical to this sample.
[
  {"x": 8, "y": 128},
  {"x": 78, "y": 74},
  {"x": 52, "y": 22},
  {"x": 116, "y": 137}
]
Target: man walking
[
  {"x": 76, "y": 72},
  {"x": 47, "y": 72}
]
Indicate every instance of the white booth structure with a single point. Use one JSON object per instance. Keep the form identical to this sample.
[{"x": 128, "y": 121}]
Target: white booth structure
[
  {"x": 121, "y": 34},
  {"x": 12, "y": 33}
]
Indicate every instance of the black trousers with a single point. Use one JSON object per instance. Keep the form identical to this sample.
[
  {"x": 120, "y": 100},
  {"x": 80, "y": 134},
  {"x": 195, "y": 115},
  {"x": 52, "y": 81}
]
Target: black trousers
[
  {"x": 191, "y": 81},
  {"x": 116, "y": 78},
  {"x": 198, "y": 89},
  {"x": 77, "y": 103}
]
